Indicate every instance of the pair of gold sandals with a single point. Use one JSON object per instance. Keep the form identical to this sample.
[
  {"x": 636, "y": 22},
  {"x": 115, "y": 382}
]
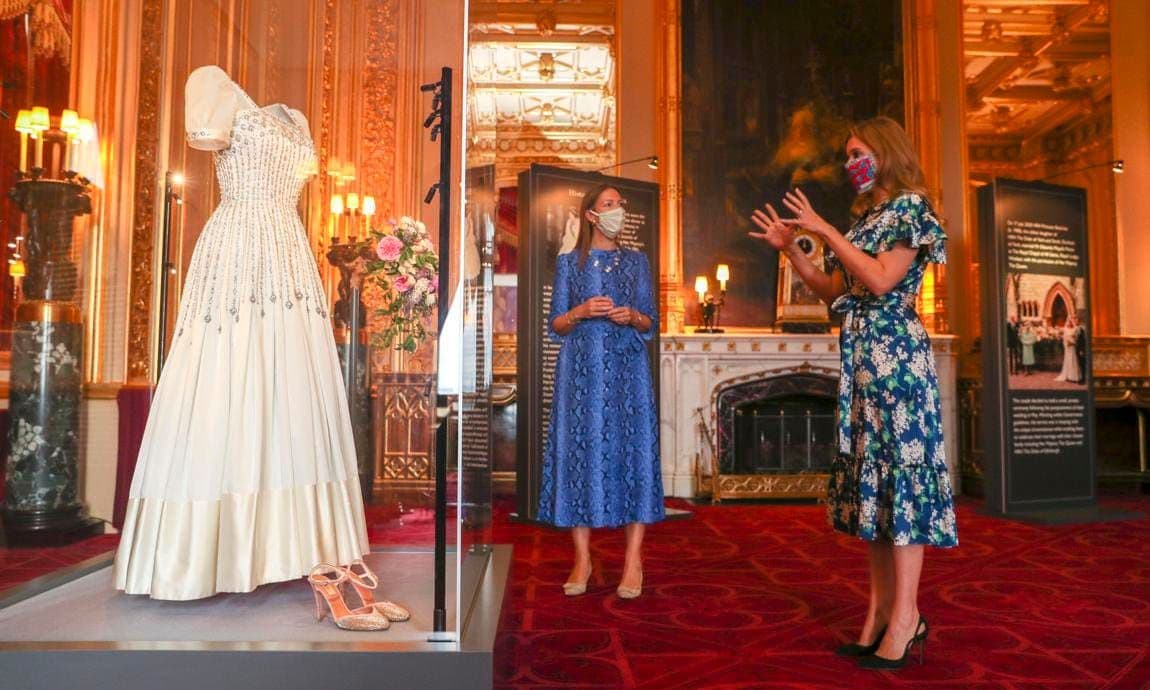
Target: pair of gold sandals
[{"x": 327, "y": 583}]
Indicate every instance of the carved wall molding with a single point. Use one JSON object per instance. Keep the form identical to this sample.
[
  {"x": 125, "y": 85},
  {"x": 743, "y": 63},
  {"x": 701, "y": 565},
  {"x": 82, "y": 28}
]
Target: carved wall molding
[
  {"x": 670, "y": 148},
  {"x": 147, "y": 174}
]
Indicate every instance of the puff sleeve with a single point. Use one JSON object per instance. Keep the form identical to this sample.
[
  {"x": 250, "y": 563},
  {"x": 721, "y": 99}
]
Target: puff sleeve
[
  {"x": 914, "y": 222},
  {"x": 210, "y": 105}
]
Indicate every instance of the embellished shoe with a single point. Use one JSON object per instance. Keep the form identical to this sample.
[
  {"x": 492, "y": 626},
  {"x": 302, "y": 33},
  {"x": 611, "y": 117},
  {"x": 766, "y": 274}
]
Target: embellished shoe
[
  {"x": 365, "y": 582},
  {"x": 326, "y": 581},
  {"x": 880, "y": 663},
  {"x": 856, "y": 649},
  {"x": 625, "y": 592},
  {"x": 574, "y": 589}
]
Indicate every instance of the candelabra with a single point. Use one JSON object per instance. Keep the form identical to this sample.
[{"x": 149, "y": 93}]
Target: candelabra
[
  {"x": 41, "y": 502},
  {"x": 711, "y": 307}
]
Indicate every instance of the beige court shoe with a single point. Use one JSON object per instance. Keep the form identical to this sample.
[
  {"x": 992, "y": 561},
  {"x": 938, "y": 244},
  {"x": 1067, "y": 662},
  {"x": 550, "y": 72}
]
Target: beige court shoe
[
  {"x": 574, "y": 589},
  {"x": 630, "y": 592}
]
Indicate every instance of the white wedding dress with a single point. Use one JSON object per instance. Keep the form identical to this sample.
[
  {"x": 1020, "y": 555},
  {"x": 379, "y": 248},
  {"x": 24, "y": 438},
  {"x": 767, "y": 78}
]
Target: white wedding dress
[
  {"x": 247, "y": 473},
  {"x": 1070, "y": 371}
]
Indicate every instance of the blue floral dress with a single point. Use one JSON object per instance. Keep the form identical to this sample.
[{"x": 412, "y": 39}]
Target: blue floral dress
[
  {"x": 889, "y": 480},
  {"x": 601, "y": 458}
]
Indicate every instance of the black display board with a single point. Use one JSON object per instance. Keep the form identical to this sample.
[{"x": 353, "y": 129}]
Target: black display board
[
  {"x": 1038, "y": 410},
  {"x": 549, "y": 200}
]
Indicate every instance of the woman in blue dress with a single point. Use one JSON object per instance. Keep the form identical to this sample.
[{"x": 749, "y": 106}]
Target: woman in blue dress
[
  {"x": 889, "y": 483},
  {"x": 601, "y": 461}
]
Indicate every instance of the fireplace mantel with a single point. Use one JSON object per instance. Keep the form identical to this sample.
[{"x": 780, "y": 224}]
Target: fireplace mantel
[{"x": 694, "y": 366}]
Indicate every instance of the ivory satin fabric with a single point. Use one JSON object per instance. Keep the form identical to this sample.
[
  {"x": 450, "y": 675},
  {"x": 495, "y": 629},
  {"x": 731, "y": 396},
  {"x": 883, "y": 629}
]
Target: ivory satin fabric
[{"x": 247, "y": 473}]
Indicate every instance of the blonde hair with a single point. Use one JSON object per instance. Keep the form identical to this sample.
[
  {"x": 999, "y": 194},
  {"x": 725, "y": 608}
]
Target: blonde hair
[{"x": 898, "y": 167}]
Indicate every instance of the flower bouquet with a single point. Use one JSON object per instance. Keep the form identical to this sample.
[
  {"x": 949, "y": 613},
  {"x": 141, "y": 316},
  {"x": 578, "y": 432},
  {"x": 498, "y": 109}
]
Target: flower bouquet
[{"x": 406, "y": 268}]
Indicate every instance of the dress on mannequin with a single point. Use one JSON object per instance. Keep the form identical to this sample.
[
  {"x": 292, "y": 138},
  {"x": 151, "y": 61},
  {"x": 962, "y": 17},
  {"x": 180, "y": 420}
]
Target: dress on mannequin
[{"x": 247, "y": 473}]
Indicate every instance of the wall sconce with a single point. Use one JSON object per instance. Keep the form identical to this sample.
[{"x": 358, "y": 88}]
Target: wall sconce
[
  {"x": 652, "y": 163},
  {"x": 709, "y": 307}
]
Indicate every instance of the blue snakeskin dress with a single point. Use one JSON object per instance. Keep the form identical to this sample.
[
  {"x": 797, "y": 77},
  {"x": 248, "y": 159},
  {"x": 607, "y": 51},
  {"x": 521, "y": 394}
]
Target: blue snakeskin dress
[
  {"x": 601, "y": 458},
  {"x": 889, "y": 479}
]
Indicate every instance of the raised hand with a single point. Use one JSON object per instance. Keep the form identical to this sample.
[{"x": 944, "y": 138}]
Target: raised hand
[
  {"x": 776, "y": 232},
  {"x": 595, "y": 307},
  {"x": 805, "y": 214}
]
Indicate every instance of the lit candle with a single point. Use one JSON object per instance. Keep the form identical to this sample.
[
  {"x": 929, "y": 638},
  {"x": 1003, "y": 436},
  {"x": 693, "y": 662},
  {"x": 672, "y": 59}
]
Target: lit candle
[
  {"x": 368, "y": 212},
  {"x": 24, "y": 127},
  {"x": 336, "y": 213},
  {"x": 701, "y": 287},
  {"x": 723, "y": 274},
  {"x": 70, "y": 126},
  {"x": 352, "y": 202},
  {"x": 41, "y": 121}
]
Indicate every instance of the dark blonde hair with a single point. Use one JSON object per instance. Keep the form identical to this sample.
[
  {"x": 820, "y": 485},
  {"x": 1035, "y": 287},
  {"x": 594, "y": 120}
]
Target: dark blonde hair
[
  {"x": 585, "y": 228},
  {"x": 898, "y": 167}
]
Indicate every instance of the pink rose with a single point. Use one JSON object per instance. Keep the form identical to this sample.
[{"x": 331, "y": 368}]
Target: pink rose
[
  {"x": 389, "y": 248},
  {"x": 402, "y": 283},
  {"x": 434, "y": 284}
]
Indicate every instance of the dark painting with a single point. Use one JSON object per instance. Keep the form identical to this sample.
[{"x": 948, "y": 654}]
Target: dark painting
[{"x": 770, "y": 88}]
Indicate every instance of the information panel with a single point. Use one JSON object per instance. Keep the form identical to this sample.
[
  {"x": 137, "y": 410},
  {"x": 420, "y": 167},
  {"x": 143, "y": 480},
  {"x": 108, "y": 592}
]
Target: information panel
[
  {"x": 549, "y": 201},
  {"x": 1038, "y": 411}
]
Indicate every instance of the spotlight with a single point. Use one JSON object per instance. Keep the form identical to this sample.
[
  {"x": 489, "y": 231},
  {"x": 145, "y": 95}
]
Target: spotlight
[
  {"x": 654, "y": 164},
  {"x": 1118, "y": 166},
  {"x": 177, "y": 179}
]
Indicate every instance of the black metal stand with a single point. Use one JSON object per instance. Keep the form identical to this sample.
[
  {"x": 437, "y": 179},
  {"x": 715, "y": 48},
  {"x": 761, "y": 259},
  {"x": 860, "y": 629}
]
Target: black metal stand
[
  {"x": 166, "y": 265},
  {"x": 440, "y": 123}
]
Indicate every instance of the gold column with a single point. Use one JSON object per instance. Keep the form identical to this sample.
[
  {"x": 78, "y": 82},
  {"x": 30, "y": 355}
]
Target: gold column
[
  {"x": 923, "y": 121},
  {"x": 672, "y": 307},
  {"x": 147, "y": 174}
]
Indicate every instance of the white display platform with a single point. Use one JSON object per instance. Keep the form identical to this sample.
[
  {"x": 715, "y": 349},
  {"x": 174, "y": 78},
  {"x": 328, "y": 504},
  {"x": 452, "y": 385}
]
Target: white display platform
[{"x": 73, "y": 629}]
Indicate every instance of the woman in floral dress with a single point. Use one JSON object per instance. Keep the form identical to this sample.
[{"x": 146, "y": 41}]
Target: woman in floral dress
[{"x": 889, "y": 483}]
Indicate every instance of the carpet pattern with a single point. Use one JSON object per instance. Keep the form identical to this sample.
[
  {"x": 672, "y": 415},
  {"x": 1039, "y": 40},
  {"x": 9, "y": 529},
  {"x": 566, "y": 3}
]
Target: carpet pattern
[
  {"x": 754, "y": 596},
  {"x": 757, "y": 596}
]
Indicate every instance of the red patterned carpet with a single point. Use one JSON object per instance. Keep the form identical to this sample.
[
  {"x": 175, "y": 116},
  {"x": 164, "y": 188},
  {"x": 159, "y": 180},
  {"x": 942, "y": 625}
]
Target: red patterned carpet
[{"x": 755, "y": 596}]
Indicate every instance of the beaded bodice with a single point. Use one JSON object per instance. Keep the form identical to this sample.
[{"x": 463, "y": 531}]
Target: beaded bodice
[
  {"x": 269, "y": 159},
  {"x": 253, "y": 256}
]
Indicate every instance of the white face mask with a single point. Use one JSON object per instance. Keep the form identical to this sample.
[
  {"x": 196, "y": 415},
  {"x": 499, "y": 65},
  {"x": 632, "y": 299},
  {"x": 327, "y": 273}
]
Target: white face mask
[{"x": 611, "y": 222}]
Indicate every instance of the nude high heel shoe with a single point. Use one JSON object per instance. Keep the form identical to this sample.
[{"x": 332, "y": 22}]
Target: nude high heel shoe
[
  {"x": 325, "y": 581},
  {"x": 364, "y": 581},
  {"x": 574, "y": 589},
  {"x": 630, "y": 592}
]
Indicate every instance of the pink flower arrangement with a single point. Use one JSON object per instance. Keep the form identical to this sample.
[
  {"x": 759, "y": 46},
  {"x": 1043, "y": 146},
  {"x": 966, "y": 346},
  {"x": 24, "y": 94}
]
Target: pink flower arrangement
[
  {"x": 407, "y": 271},
  {"x": 389, "y": 248}
]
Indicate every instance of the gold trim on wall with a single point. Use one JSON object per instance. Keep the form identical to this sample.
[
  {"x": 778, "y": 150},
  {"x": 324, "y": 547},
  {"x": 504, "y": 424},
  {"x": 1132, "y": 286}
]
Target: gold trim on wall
[
  {"x": 147, "y": 172},
  {"x": 671, "y": 304}
]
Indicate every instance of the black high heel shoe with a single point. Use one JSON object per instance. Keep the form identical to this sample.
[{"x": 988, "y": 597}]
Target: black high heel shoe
[
  {"x": 856, "y": 649},
  {"x": 878, "y": 663}
]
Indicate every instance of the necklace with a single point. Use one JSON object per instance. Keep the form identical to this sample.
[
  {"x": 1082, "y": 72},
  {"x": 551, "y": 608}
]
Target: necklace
[{"x": 614, "y": 262}]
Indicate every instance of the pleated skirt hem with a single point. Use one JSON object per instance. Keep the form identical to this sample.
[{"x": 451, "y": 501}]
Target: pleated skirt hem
[{"x": 182, "y": 550}]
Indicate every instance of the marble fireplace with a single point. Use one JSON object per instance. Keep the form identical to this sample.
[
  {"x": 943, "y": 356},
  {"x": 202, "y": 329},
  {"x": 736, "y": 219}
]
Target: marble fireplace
[{"x": 750, "y": 414}]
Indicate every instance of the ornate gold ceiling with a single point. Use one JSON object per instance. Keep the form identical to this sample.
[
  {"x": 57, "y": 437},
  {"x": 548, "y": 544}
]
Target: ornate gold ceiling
[
  {"x": 1037, "y": 77},
  {"x": 542, "y": 80}
]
